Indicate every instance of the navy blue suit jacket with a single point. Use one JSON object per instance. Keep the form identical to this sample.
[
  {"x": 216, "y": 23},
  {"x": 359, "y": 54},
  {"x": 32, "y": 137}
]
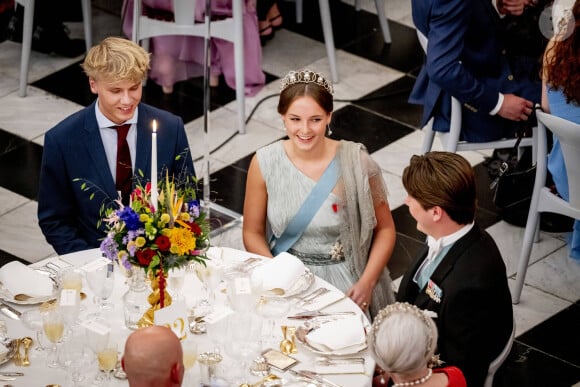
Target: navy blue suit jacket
[
  {"x": 474, "y": 313},
  {"x": 466, "y": 58},
  {"x": 73, "y": 149}
]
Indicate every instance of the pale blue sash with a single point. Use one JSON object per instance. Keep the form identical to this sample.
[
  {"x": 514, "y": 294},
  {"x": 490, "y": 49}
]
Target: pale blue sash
[{"x": 302, "y": 219}]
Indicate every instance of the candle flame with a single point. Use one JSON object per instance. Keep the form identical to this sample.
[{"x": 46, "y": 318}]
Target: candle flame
[{"x": 154, "y": 126}]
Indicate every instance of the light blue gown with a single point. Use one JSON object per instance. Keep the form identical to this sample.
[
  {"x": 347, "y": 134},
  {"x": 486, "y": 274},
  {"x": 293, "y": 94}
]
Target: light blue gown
[{"x": 571, "y": 112}]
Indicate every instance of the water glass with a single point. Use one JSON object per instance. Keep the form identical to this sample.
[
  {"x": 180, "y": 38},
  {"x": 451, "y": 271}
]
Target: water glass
[
  {"x": 101, "y": 281},
  {"x": 53, "y": 326}
]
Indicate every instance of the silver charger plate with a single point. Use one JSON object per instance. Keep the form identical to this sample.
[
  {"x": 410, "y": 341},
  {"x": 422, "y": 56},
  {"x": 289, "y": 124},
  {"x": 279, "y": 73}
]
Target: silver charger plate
[{"x": 8, "y": 355}]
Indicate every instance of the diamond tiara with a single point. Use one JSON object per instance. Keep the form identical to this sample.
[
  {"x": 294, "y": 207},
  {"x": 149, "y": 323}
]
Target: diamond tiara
[{"x": 305, "y": 76}]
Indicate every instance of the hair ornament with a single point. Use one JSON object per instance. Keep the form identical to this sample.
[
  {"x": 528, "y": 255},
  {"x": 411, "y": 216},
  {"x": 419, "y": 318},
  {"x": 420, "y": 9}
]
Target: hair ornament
[
  {"x": 305, "y": 76},
  {"x": 405, "y": 307}
]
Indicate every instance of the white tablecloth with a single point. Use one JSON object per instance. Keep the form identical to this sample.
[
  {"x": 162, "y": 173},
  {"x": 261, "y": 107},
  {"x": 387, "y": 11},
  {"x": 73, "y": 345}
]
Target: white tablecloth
[{"x": 38, "y": 374}]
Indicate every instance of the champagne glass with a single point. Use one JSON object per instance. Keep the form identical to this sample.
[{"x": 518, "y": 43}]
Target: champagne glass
[
  {"x": 189, "y": 348},
  {"x": 210, "y": 275},
  {"x": 71, "y": 279},
  {"x": 53, "y": 326},
  {"x": 101, "y": 282}
]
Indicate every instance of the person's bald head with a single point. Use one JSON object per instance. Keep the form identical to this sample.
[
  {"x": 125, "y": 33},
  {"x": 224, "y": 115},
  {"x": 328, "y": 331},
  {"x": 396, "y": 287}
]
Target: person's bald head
[{"x": 153, "y": 357}]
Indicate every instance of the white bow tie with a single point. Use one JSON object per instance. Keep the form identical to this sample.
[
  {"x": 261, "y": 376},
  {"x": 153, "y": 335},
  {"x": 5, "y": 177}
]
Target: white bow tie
[{"x": 435, "y": 246}]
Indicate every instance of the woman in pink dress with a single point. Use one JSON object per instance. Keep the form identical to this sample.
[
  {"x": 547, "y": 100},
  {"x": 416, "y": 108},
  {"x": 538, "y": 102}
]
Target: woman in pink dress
[{"x": 177, "y": 58}]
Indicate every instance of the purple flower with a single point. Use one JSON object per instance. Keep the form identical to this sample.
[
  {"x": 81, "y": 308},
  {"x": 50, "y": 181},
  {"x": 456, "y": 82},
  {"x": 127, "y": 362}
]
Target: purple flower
[
  {"x": 130, "y": 218},
  {"x": 193, "y": 208},
  {"x": 109, "y": 248}
]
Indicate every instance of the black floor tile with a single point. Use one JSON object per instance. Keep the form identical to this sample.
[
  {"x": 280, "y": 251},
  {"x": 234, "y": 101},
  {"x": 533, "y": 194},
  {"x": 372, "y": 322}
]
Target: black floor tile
[
  {"x": 9, "y": 142},
  {"x": 21, "y": 167},
  {"x": 529, "y": 367},
  {"x": 406, "y": 251},
  {"x": 354, "y": 124},
  {"x": 6, "y": 257},
  {"x": 228, "y": 188},
  {"x": 558, "y": 336},
  {"x": 69, "y": 83},
  {"x": 406, "y": 224},
  {"x": 391, "y": 101}
]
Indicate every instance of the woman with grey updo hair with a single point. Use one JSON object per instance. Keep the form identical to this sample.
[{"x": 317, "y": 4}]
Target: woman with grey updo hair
[{"x": 402, "y": 340}]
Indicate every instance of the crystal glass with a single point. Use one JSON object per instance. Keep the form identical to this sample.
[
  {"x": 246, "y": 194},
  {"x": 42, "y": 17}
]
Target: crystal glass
[
  {"x": 32, "y": 319},
  {"x": 210, "y": 275},
  {"x": 243, "y": 293},
  {"x": 244, "y": 344},
  {"x": 97, "y": 340},
  {"x": 101, "y": 282},
  {"x": 176, "y": 279},
  {"x": 107, "y": 358},
  {"x": 189, "y": 347},
  {"x": 70, "y": 278},
  {"x": 53, "y": 326},
  {"x": 272, "y": 309},
  {"x": 75, "y": 359}
]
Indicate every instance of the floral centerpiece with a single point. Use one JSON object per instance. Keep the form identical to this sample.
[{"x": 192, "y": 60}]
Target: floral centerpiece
[{"x": 157, "y": 236}]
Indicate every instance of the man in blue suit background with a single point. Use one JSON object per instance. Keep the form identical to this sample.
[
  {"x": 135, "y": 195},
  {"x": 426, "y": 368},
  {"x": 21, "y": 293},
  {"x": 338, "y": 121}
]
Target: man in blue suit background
[
  {"x": 83, "y": 148},
  {"x": 466, "y": 58}
]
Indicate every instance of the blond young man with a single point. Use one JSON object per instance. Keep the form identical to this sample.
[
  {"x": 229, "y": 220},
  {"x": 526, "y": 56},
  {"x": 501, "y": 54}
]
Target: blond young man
[{"x": 86, "y": 148}]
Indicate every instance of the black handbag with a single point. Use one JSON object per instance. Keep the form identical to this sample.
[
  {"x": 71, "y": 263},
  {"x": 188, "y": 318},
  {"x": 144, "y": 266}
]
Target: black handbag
[{"x": 513, "y": 187}]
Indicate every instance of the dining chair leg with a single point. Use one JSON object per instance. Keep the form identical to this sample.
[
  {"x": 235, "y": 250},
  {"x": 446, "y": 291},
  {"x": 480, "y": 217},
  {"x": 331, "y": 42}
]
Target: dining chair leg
[
  {"x": 328, "y": 38},
  {"x": 26, "y": 47},
  {"x": 524, "y": 260},
  {"x": 380, "y": 4},
  {"x": 239, "y": 65},
  {"x": 87, "y": 23}
]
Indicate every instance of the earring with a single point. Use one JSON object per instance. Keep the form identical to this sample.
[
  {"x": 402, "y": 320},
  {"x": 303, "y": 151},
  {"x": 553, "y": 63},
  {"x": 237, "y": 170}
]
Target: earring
[{"x": 328, "y": 131}]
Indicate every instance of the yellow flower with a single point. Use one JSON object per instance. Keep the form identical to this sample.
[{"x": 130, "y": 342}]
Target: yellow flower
[
  {"x": 182, "y": 240},
  {"x": 164, "y": 218},
  {"x": 184, "y": 216},
  {"x": 144, "y": 218},
  {"x": 140, "y": 242},
  {"x": 121, "y": 254}
]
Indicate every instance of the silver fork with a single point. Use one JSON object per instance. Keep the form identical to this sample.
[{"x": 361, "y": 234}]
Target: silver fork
[{"x": 313, "y": 296}]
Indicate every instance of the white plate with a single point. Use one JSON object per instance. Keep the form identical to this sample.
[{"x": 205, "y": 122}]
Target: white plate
[
  {"x": 301, "y": 285},
  {"x": 5, "y": 295},
  {"x": 302, "y": 331}
]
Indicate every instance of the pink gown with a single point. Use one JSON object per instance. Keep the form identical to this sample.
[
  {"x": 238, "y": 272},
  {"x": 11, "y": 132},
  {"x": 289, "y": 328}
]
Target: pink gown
[{"x": 177, "y": 58}]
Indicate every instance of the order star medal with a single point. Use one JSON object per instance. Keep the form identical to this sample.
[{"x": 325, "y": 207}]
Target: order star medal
[{"x": 434, "y": 292}]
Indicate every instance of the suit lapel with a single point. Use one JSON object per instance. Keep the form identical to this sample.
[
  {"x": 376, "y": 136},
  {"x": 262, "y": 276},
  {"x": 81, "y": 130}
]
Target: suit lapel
[
  {"x": 143, "y": 157},
  {"x": 445, "y": 266},
  {"x": 96, "y": 151}
]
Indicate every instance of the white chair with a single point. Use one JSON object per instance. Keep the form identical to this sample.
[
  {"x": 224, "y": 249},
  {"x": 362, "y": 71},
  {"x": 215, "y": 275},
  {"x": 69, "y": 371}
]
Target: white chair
[
  {"x": 27, "y": 38},
  {"x": 498, "y": 361},
  {"x": 450, "y": 140},
  {"x": 230, "y": 29},
  {"x": 327, "y": 29},
  {"x": 543, "y": 200}
]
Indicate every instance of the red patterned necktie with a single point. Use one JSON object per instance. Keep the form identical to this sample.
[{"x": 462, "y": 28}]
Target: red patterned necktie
[{"x": 124, "y": 169}]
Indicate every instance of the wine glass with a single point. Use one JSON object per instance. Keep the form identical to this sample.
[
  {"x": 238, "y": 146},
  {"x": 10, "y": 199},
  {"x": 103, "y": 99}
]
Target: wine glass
[
  {"x": 75, "y": 358},
  {"x": 176, "y": 279},
  {"x": 245, "y": 344},
  {"x": 101, "y": 282},
  {"x": 272, "y": 309},
  {"x": 243, "y": 293},
  {"x": 210, "y": 275},
  {"x": 32, "y": 319},
  {"x": 70, "y": 278},
  {"x": 53, "y": 326}
]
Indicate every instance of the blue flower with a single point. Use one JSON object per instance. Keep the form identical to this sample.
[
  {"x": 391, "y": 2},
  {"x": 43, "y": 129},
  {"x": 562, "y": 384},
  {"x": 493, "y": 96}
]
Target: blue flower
[
  {"x": 130, "y": 218},
  {"x": 193, "y": 208}
]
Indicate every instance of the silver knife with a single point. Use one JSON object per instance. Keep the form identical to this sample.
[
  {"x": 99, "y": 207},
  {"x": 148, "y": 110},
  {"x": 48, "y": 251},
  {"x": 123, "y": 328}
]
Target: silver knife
[
  {"x": 10, "y": 374},
  {"x": 10, "y": 311},
  {"x": 311, "y": 375},
  {"x": 317, "y": 313}
]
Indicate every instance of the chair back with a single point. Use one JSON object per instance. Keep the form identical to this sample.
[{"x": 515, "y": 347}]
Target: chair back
[
  {"x": 450, "y": 140},
  {"x": 230, "y": 29},
  {"x": 569, "y": 135}
]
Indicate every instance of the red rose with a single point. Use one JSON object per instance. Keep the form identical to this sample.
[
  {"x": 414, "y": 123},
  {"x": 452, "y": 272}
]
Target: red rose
[
  {"x": 162, "y": 243},
  {"x": 195, "y": 228},
  {"x": 145, "y": 256}
]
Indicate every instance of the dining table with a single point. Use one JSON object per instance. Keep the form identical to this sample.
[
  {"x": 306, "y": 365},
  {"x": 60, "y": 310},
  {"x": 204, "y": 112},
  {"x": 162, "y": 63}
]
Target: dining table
[{"x": 308, "y": 358}]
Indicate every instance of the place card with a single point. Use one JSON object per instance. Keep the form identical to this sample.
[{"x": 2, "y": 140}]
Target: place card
[
  {"x": 68, "y": 297},
  {"x": 174, "y": 317},
  {"x": 96, "y": 332},
  {"x": 242, "y": 286}
]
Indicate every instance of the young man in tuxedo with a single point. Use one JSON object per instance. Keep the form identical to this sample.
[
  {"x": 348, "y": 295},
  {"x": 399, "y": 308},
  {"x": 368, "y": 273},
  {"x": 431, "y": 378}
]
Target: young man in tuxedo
[
  {"x": 95, "y": 156},
  {"x": 461, "y": 275}
]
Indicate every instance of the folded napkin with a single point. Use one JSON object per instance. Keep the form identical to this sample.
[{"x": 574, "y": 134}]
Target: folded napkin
[
  {"x": 280, "y": 272},
  {"x": 322, "y": 301},
  {"x": 18, "y": 278},
  {"x": 342, "y": 334}
]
